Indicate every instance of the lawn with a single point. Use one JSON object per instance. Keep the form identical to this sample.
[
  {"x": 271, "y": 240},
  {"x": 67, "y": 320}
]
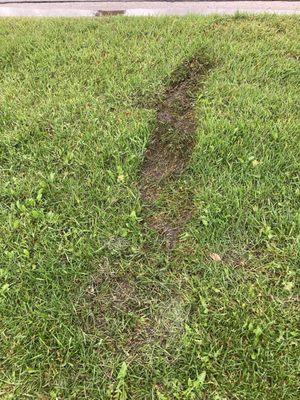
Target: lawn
[{"x": 93, "y": 305}]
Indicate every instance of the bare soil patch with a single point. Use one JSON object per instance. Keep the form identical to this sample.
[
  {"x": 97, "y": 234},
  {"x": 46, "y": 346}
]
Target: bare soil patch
[{"x": 171, "y": 146}]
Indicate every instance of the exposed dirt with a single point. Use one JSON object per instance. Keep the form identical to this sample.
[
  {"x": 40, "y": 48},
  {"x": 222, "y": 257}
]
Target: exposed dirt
[
  {"x": 170, "y": 147},
  {"x": 132, "y": 310}
]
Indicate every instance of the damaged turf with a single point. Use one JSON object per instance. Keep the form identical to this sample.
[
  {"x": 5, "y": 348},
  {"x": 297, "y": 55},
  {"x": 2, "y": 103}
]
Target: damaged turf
[{"x": 170, "y": 148}]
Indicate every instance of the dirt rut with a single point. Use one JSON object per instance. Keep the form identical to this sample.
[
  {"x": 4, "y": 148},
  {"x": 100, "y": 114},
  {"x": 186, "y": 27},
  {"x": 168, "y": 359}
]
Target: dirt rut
[{"x": 170, "y": 148}]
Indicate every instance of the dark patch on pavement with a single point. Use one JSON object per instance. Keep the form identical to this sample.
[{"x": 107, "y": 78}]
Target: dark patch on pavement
[{"x": 109, "y": 13}]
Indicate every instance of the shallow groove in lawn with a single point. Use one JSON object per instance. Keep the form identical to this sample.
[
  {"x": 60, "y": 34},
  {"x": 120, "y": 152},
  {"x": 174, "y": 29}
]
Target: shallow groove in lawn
[
  {"x": 169, "y": 151},
  {"x": 144, "y": 308}
]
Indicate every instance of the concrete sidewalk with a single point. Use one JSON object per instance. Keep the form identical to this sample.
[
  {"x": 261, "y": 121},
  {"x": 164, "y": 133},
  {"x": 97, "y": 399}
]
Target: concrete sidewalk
[{"x": 91, "y": 9}]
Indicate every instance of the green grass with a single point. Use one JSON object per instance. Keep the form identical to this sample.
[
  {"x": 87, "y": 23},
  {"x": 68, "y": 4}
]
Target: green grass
[{"x": 87, "y": 310}]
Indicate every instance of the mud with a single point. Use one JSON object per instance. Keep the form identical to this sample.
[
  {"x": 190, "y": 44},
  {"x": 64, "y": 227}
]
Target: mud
[{"x": 170, "y": 148}]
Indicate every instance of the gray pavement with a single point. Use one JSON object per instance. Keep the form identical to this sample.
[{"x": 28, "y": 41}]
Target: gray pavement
[{"x": 91, "y": 9}]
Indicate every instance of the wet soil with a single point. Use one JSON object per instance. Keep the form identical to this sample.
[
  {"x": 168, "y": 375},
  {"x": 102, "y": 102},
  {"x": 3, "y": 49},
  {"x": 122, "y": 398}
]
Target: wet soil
[
  {"x": 143, "y": 310},
  {"x": 170, "y": 149}
]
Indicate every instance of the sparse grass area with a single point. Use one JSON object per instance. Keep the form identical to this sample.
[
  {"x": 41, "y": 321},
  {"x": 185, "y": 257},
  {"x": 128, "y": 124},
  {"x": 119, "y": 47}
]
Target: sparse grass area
[{"x": 91, "y": 307}]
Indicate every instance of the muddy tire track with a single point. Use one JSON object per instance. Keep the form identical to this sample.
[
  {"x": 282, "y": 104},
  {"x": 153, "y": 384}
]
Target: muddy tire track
[
  {"x": 170, "y": 149},
  {"x": 150, "y": 299}
]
